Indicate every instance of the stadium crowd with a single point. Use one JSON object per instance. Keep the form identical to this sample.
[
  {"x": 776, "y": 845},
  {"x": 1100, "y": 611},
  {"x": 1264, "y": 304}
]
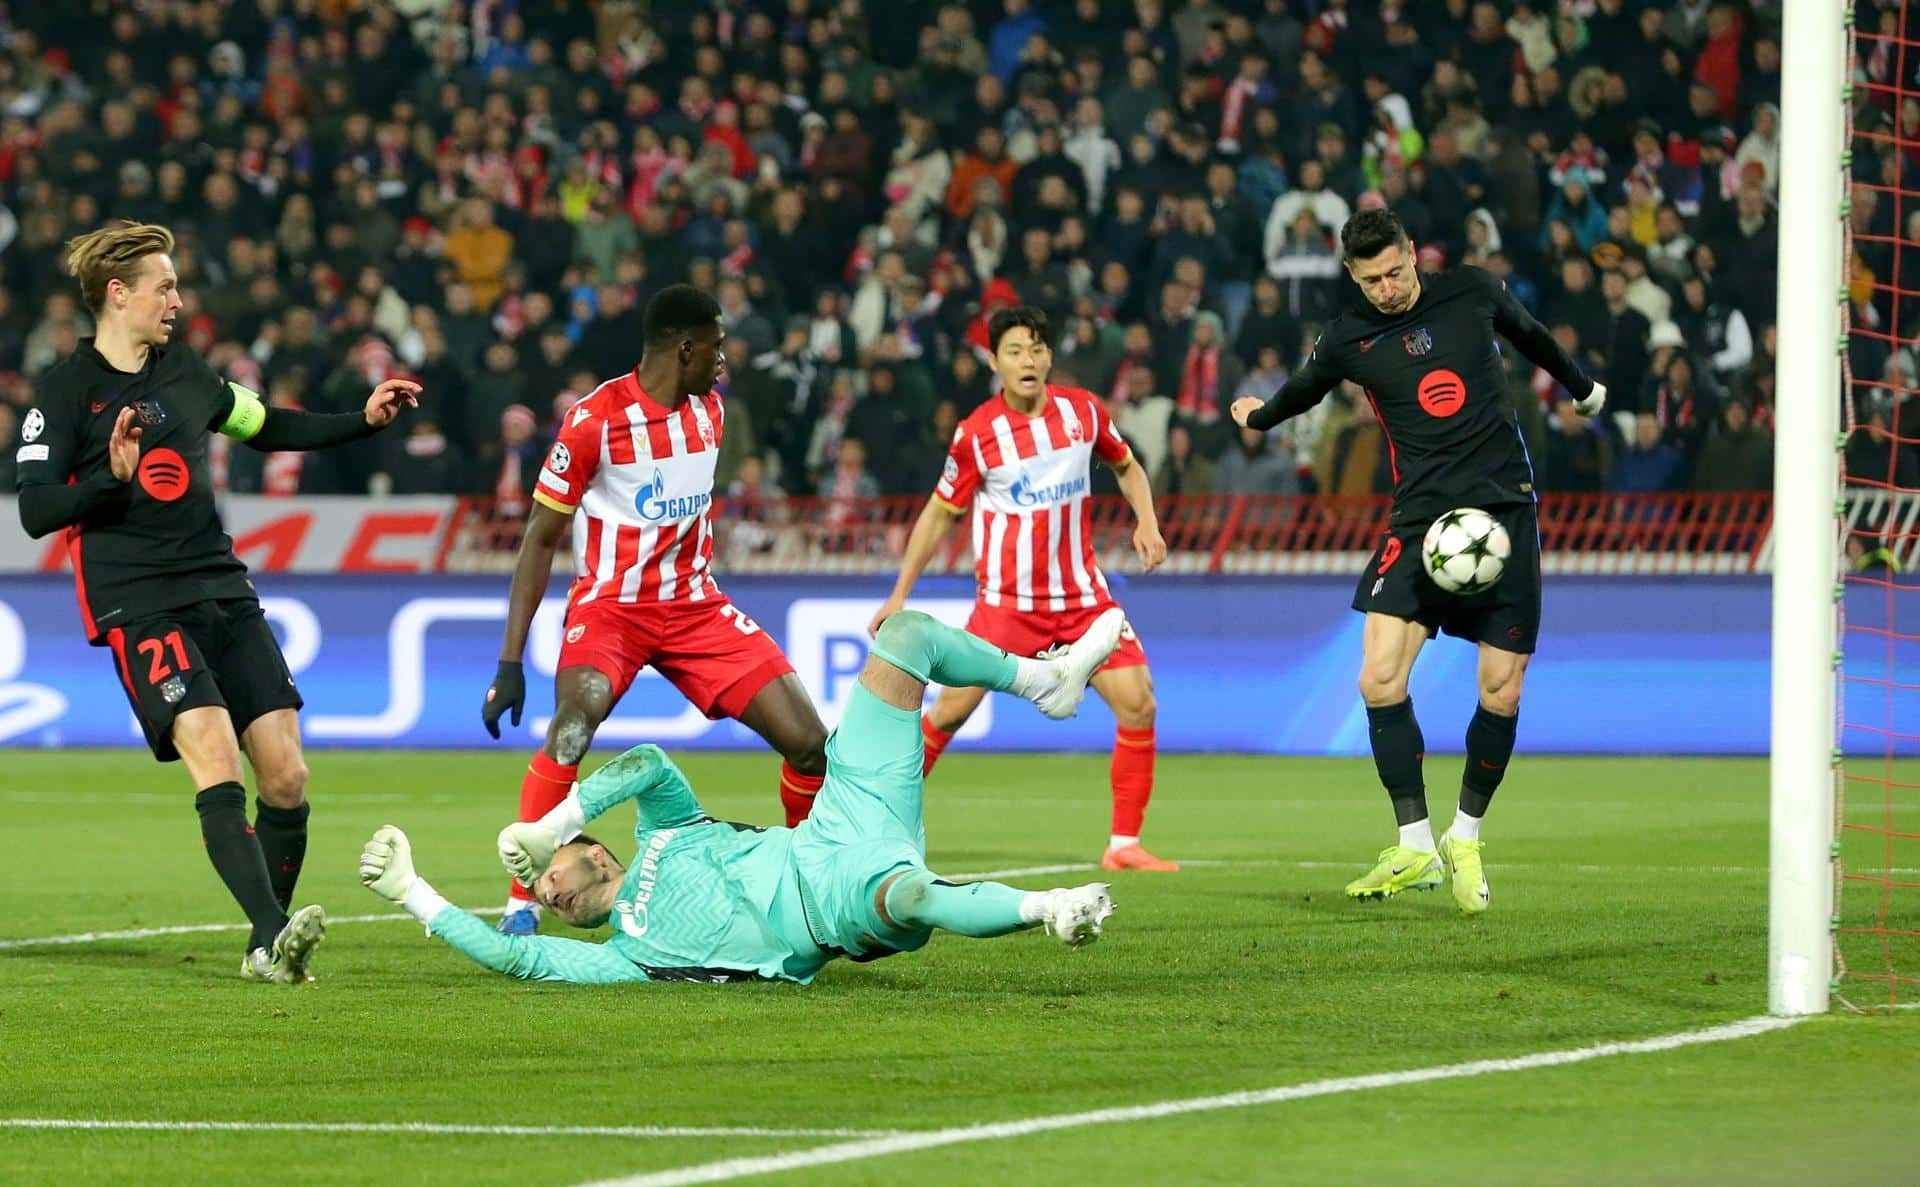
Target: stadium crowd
[{"x": 483, "y": 194}]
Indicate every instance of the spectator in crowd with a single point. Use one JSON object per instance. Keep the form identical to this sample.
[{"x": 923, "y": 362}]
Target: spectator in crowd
[
  {"x": 1648, "y": 465},
  {"x": 1182, "y": 471},
  {"x": 1579, "y": 455},
  {"x": 1143, "y": 416},
  {"x": 1256, "y": 464},
  {"x": 1362, "y": 457},
  {"x": 485, "y": 202},
  {"x": 507, "y": 466},
  {"x": 1738, "y": 455}
]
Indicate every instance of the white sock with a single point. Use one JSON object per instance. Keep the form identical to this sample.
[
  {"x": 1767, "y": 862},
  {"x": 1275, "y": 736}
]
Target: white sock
[
  {"x": 1418, "y": 835},
  {"x": 1465, "y": 827},
  {"x": 1033, "y": 908},
  {"x": 1117, "y": 841},
  {"x": 1032, "y": 677}
]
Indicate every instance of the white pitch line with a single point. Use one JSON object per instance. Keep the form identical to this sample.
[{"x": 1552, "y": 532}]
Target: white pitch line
[
  {"x": 853, "y": 1151},
  {"x": 143, "y": 933},
  {"x": 430, "y": 1128},
  {"x": 185, "y": 929}
]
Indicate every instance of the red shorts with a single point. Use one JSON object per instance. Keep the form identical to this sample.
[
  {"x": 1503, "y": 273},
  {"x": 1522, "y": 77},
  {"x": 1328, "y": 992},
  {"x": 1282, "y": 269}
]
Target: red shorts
[
  {"x": 1029, "y": 632},
  {"x": 715, "y": 655}
]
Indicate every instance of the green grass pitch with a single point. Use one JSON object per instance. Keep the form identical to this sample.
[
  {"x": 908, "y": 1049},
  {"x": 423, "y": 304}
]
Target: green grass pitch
[{"x": 1629, "y": 901}]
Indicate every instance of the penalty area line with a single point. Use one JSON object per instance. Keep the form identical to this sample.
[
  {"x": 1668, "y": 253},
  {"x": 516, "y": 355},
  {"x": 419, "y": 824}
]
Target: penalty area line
[
  {"x": 729, "y": 1169},
  {"x": 435, "y": 1129}
]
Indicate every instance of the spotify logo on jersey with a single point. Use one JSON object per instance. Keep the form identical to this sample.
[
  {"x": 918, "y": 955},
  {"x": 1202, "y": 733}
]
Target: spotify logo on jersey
[
  {"x": 1442, "y": 393},
  {"x": 163, "y": 474}
]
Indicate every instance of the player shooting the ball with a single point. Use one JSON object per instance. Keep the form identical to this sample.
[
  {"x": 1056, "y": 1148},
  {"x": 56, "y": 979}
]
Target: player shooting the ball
[
  {"x": 708, "y": 900},
  {"x": 1423, "y": 349}
]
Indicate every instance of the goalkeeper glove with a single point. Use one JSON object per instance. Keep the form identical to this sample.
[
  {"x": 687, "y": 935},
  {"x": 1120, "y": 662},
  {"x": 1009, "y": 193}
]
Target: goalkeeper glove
[
  {"x": 527, "y": 849},
  {"x": 386, "y": 864},
  {"x": 508, "y": 691},
  {"x": 1595, "y": 401}
]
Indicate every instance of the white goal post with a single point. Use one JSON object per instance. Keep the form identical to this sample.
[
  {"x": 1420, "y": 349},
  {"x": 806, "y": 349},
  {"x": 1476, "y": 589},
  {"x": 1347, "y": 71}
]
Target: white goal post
[{"x": 1806, "y": 571}]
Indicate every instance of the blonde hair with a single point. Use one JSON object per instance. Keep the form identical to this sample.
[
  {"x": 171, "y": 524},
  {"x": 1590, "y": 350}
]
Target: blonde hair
[{"x": 113, "y": 252}]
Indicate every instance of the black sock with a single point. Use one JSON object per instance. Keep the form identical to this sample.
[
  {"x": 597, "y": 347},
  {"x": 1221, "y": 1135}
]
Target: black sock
[
  {"x": 283, "y": 842},
  {"x": 235, "y": 852},
  {"x": 1398, "y": 749},
  {"x": 1489, "y": 749}
]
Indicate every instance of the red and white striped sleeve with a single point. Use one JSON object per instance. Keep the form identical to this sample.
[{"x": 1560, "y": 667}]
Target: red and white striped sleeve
[
  {"x": 1108, "y": 445},
  {"x": 961, "y": 477},
  {"x": 571, "y": 462}
]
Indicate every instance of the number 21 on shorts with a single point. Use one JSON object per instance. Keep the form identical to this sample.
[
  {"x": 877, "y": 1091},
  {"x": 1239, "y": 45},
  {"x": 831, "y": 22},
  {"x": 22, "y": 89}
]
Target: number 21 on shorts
[
  {"x": 155, "y": 649},
  {"x": 741, "y": 622}
]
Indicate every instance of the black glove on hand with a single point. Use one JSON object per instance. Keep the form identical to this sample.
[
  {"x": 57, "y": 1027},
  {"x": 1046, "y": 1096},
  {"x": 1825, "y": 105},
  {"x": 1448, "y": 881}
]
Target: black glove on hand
[{"x": 508, "y": 691}]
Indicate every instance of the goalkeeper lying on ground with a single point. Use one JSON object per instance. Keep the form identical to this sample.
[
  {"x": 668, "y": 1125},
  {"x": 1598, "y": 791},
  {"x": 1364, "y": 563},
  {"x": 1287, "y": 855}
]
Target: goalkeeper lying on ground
[{"x": 706, "y": 900}]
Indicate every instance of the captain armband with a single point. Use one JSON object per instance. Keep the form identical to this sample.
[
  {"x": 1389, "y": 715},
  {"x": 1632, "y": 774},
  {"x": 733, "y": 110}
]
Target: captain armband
[{"x": 249, "y": 413}]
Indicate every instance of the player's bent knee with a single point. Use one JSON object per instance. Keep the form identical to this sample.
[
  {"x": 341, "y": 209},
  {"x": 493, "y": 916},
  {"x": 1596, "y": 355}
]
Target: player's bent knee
[
  {"x": 570, "y": 735},
  {"x": 284, "y": 786},
  {"x": 904, "y": 633},
  {"x": 900, "y": 899},
  {"x": 810, "y": 757},
  {"x": 1140, "y": 713},
  {"x": 1382, "y": 687},
  {"x": 1502, "y": 700}
]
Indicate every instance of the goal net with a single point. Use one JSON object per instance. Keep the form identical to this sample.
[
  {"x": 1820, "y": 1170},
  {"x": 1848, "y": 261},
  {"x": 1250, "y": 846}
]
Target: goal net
[{"x": 1876, "y": 846}]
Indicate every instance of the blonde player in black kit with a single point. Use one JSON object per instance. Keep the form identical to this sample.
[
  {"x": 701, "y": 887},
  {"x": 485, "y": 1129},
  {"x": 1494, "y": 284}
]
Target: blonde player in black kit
[
  {"x": 1424, "y": 351},
  {"x": 114, "y": 454}
]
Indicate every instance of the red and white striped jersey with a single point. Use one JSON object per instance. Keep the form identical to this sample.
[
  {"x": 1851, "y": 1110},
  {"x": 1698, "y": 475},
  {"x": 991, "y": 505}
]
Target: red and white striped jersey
[
  {"x": 1027, "y": 479},
  {"x": 641, "y": 477}
]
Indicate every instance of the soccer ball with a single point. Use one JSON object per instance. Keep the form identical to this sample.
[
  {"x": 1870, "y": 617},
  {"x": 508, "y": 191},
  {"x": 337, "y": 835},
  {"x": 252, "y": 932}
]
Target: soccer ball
[{"x": 1466, "y": 551}]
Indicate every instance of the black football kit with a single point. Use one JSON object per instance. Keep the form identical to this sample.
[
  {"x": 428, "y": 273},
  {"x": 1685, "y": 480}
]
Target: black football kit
[
  {"x": 1434, "y": 378},
  {"x": 156, "y": 575}
]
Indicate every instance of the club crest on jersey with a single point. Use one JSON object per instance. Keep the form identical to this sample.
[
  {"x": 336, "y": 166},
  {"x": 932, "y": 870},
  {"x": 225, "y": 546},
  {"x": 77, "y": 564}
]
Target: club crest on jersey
[
  {"x": 1417, "y": 343},
  {"x": 149, "y": 412},
  {"x": 706, "y": 434},
  {"x": 1074, "y": 432},
  {"x": 1026, "y": 494},
  {"x": 654, "y": 504}
]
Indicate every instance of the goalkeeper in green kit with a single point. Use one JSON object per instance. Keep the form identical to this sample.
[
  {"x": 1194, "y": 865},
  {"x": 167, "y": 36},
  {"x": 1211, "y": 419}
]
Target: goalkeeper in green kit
[{"x": 707, "y": 900}]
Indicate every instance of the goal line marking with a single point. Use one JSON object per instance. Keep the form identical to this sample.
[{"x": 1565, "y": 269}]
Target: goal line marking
[
  {"x": 730, "y": 1169},
  {"x": 435, "y": 1129}
]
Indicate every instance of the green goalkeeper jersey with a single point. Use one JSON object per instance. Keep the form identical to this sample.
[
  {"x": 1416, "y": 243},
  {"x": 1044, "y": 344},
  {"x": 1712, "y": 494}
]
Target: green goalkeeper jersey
[{"x": 702, "y": 900}]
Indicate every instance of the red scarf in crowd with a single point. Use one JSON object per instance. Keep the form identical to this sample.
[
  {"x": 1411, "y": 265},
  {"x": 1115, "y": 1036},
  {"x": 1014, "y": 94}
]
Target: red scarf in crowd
[{"x": 1200, "y": 384}]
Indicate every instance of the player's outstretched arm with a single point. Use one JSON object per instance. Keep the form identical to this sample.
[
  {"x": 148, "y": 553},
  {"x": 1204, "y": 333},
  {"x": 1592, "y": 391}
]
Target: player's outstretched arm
[
  {"x": 644, "y": 773},
  {"x": 1303, "y": 389},
  {"x": 278, "y": 429},
  {"x": 1538, "y": 346},
  {"x": 936, "y": 520},
  {"x": 546, "y": 527},
  {"x": 386, "y": 868}
]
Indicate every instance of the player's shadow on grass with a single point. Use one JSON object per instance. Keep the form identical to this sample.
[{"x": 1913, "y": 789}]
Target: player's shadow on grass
[{"x": 147, "y": 962}]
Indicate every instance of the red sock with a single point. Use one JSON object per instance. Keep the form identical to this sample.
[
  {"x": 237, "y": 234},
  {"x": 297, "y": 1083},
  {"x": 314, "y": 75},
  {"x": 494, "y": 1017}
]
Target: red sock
[
  {"x": 797, "y": 792},
  {"x": 545, "y": 784},
  {"x": 1132, "y": 775},
  {"x": 936, "y": 740}
]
